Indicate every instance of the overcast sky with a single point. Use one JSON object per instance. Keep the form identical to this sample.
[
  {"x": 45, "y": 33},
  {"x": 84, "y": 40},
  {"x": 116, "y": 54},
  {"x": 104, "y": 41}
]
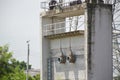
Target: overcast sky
[{"x": 19, "y": 22}]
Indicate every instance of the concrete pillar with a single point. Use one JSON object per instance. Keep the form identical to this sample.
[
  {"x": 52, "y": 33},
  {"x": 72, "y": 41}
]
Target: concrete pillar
[
  {"x": 44, "y": 48},
  {"x": 98, "y": 42}
]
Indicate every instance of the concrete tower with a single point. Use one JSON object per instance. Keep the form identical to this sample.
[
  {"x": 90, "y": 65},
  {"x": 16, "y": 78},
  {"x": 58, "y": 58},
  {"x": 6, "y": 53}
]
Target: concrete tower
[
  {"x": 73, "y": 49},
  {"x": 98, "y": 35}
]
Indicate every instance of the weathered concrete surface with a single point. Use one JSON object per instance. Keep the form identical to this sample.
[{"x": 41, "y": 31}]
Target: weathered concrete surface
[
  {"x": 68, "y": 71},
  {"x": 45, "y": 45},
  {"x": 98, "y": 48},
  {"x": 98, "y": 44}
]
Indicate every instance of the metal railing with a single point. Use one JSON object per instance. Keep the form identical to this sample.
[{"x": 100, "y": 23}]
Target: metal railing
[
  {"x": 45, "y": 5},
  {"x": 62, "y": 27}
]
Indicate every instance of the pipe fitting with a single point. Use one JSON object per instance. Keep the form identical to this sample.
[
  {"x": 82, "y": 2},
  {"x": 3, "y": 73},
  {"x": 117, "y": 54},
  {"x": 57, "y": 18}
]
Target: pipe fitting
[{"x": 62, "y": 59}]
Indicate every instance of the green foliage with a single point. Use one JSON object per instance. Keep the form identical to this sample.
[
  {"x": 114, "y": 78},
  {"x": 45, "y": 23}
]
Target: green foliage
[
  {"x": 5, "y": 57},
  {"x": 37, "y": 77},
  {"x": 10, "y": 68},
  {"x": 22, "y": 64},
  {"x": 16, "y": 75}
]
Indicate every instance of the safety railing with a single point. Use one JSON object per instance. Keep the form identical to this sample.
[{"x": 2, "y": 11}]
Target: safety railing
[
  {"x": 46, "y": 5},
  {"x": 62, "y": 27}
]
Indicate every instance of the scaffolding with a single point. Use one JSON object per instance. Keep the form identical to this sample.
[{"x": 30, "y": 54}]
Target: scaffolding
[{"x": 116, "y": 37}]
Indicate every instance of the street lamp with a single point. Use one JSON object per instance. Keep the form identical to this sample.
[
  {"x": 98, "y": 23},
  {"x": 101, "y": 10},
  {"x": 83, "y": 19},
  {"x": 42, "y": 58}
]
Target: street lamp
[{"x": 28, "y": 52}]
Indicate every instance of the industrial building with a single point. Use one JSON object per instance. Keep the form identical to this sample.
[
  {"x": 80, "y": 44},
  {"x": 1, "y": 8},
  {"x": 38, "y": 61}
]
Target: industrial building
[{"x": 76, "y": 38}]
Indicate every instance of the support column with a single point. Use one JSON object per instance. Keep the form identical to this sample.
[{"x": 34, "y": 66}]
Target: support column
[{"x": 98, "y": 44}]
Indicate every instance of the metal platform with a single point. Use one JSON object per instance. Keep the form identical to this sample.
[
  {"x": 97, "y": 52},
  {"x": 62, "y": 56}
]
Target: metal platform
[
  {"x": 65, "y": 11},
  {"x": 66, "y": 34}
]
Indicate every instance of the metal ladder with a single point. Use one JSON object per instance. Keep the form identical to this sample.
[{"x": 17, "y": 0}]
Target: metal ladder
[{"x": 49, "y": 69}]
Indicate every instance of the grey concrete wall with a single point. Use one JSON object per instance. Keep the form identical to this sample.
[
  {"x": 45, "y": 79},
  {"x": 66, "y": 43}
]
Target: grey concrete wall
[
  {"x": 68, "y": 71},
  {"x": 98, "y": 42},
  {"x": 45, "y": 45},
  {"x": 45, "y": 49},
  {"x": 98, "y": 48}
]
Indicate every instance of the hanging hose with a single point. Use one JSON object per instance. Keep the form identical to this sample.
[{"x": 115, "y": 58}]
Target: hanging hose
[
  {"x": 71, "y": 58},
  {"x": 62, "y": 58}
]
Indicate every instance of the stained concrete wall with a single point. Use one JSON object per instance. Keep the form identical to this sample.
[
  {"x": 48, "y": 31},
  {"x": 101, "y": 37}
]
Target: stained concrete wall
[
  {"x": 68, "y": 71},
  {"x": 45, "y": 45},
  {"x": 98, "y": 48},
  {"x": 98, "y": 44},
  {"x": 44, "y": 48}
]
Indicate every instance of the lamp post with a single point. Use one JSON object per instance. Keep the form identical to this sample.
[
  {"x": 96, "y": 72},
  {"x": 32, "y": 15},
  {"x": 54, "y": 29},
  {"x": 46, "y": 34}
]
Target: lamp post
[{"x": 28, "y": 52}]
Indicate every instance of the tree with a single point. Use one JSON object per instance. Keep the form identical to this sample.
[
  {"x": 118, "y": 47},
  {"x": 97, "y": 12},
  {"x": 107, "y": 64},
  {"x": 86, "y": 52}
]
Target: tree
[
  {"x": 5, "y": 58},
  {"x": 10, "y": 68},
  {"x": 37, "y": 77},
  {"x": 22, "y": 64}
]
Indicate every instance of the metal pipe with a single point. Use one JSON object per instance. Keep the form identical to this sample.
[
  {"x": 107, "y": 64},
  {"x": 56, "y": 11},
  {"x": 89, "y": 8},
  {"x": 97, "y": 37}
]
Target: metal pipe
[{"x": 28, "y": 45}]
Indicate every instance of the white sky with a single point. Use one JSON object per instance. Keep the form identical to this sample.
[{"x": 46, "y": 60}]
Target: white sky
[{"x": 19, "y": 22}]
